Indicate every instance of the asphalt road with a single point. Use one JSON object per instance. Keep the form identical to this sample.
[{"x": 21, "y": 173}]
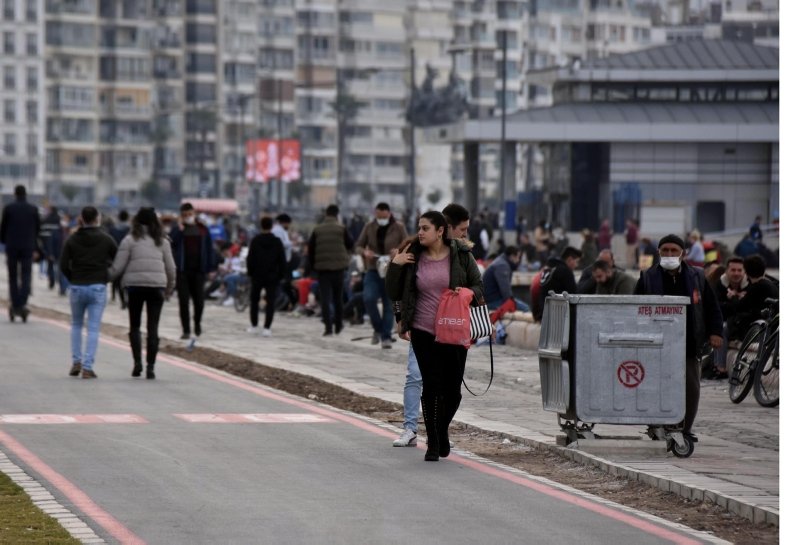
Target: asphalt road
[{"x": 283, "y": 471}]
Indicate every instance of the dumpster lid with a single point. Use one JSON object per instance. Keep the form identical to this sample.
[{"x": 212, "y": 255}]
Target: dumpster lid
[{"x": 575, "y": 299}]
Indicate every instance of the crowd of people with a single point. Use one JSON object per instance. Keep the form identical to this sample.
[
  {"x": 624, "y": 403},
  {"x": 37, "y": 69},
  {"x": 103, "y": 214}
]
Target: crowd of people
[{"x": 364, "y": 269}]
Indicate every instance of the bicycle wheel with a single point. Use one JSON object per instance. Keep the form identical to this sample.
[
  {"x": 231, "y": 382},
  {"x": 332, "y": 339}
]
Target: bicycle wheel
[
  {"x": 767, "y": 378},
  {"x": 741, "y": 377},
  {"x": 241, "y": 300}
]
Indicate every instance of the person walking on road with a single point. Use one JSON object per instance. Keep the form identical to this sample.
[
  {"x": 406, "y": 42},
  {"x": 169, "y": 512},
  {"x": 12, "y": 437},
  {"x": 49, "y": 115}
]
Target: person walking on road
[
  {"x": 87, "y": 256},
  {"x": 19, "y": 231},
  {"x": 457, "y": 218},
  {"x": 673, "y": 276},
  {"x": 194, "y": 260},
  {"x": 378, "y": 242},
  {"x": 266, "y": 267},
  {"x": 417, "y": 277},
  {"x": 146, "y": 267},
  {"x": 329, "y": 256},
  {"x": 118, "y": 232}
]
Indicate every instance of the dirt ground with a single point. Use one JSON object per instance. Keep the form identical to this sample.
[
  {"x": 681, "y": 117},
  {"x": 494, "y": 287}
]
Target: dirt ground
[{"x": 703, "y": 516}]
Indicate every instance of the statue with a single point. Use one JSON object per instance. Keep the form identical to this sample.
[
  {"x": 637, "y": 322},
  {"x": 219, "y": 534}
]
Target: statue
[{"x": 430, "y": 106}]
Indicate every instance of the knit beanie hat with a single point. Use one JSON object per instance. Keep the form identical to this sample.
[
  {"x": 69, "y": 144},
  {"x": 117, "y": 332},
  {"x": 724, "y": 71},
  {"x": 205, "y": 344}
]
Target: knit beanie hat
[{"x": 674, "y": 239}]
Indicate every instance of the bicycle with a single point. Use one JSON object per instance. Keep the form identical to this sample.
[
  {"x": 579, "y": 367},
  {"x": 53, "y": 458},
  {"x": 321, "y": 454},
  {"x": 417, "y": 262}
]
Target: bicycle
[
  {"x": 241, "y": 297},
  {"x": 757, "y": 360}
]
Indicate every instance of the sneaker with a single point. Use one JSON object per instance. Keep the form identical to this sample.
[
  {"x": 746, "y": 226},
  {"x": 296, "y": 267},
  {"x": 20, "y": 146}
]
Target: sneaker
[
  {"x": 215, "y": 294},
  {"x": 186, "y": 336},
  {"x": 88, "y": 373},
  {"x": 407, "y": 439},
  {"x": 376, "y": 338},
  {"x": 253, "y": 329},
  {"x": 75, "y": 370},
  {"x": 266, "y": 332},
  {"x": 386, "y": 343},
  {"x": 228, "y": 302}
]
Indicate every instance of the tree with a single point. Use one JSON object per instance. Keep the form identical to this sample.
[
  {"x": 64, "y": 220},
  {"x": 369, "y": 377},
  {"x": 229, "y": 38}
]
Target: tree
[
  {"x": 70, "y": 191},
  {"x": 151, "y": 191},
  {"x": 435, "y": 196}
]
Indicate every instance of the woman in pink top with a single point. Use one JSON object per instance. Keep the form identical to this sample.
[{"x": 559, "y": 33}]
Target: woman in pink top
[{"x": 416, "y": 278}]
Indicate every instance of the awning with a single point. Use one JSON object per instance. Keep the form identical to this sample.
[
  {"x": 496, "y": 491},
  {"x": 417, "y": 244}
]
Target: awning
[{"x": 214, "y": 206}]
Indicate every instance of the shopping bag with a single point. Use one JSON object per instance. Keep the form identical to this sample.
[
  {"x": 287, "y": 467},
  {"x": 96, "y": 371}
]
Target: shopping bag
[
  {"x": 480, "y": 324},
  {"x": 453, "y": 317}
]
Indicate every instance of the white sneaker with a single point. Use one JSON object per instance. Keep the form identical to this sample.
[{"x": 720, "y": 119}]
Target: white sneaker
[
  {"x": 407, "y": 439},
  {"x": 266, "y": 332},
  {"x": 215, "y": 294},
  {"x": 253, "y": 329},
  {"x": 228, "y": 302}
]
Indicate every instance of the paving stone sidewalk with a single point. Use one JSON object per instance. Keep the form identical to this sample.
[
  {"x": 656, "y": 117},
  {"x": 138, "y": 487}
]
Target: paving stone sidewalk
[{"x": 735, "y": 464}]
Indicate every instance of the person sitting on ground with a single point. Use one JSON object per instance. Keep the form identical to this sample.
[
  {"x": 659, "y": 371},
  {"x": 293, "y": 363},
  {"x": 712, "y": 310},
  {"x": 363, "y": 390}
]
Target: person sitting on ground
[
  {"x": 559, "y": 274},
  {"x": 759, "y": 289},
  {"x": 586, "y": 283},
  {"x": 609, "y": 281},
  {"x": 497, "y": 280},
  {"x": 696, "y": 254}
]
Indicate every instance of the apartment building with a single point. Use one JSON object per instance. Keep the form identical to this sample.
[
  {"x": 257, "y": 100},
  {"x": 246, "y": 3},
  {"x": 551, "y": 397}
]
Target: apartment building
[
  {"x": 563, "y": 32},
  {"x": 22, "y": 96}
]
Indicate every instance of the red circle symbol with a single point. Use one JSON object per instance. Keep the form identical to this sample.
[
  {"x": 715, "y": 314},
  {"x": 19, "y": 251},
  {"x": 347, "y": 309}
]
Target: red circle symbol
[{"x": 630, "y": 373}]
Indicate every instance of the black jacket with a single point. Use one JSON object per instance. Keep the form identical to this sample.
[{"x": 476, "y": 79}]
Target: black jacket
[
  {"x": 87, "y": 256},
  {"x": 266, "y": 260},
  {"x": 557, "y": 277},
  {"x": 19, "y": 229},
  {"x": 703, "y": 317}
]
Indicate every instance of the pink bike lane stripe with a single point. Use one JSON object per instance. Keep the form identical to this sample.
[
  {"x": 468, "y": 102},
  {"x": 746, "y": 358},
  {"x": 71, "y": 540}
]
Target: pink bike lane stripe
[
  {"x": 72, "y": 492},
  {"x": 600, "y": 509}
]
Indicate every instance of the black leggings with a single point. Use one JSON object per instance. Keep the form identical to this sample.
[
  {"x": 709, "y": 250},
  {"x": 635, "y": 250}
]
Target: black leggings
[
  {"x": 441, "y": 365},
  {"x": 138, "y": 297},
  {"x": 256, "y": 287}
]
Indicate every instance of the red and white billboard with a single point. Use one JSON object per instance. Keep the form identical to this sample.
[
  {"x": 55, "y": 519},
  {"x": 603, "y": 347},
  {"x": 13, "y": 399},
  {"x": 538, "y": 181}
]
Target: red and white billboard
[{"x": 273, "y": 160}]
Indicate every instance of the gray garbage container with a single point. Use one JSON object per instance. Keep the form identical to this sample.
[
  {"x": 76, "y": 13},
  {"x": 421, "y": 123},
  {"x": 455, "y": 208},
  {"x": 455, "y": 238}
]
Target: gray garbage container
[{"x": 613, "y": 359}]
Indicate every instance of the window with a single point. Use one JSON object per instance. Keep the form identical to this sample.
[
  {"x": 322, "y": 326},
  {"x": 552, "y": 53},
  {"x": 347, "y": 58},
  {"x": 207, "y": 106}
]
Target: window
[
  {"x": 32, "y": 147},
  {"x": 9, "y": 111},
  {"x": 31, "y": 11},
  {"x": 32, "y": 78},
  {"x": 8, "y": 10},
  {"x": 201, "y": 34},
  {"x": 10, "y": 144},
  {"x": 31, "y": 111},
  {"x": 201, "y": 63},
  {"x": 8, "y": 43},
  {"x": 200, "y": 92},
  {"x": 31, "y": 44},
  {"x": 9, "y": 78}
]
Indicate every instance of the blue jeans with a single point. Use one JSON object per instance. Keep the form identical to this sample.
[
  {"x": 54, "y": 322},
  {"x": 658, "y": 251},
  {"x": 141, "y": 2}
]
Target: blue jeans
[
  {"x": 83, "y": 299},
  {"x": 412, "y": 392},
  {"x": 232, "y": 280},
  {"x": 522, "y": 306},
  {"x": 374, "y": 289}
]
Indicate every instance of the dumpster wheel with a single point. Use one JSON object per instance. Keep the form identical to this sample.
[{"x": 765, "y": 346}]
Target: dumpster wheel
[{"x": 681, "y": 449}]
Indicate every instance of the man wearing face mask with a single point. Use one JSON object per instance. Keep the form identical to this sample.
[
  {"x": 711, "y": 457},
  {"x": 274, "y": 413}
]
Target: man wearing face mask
[
  {"x": 703, "y": 321},
  {"x": 193, "y": 253},
  {"x": 380, "y": 237},
  {"x": 497, "y": 280}
]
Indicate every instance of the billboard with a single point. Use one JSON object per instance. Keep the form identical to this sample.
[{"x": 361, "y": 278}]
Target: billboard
[{"x": 269, "y": 160}]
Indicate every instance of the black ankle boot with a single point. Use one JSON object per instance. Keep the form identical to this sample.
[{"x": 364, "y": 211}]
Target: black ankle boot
[
  {"x": 151, "y": 374},
  {"x": 136, "y": 349},
  {"x": 429, "y": 406}
]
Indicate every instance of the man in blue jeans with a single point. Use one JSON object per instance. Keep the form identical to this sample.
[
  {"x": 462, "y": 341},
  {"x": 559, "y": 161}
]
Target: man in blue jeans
[
  {"x": 379, "y": 241},
  {"x": 87, "y": 256},
  {"x": 457, "y": 226}
]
